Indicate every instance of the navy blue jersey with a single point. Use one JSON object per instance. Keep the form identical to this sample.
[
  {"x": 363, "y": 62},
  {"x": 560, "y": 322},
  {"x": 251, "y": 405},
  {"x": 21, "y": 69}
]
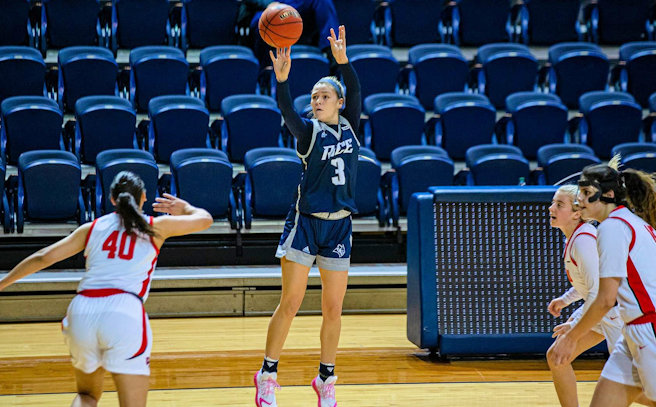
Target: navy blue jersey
[{"x": 329, "y": 169}]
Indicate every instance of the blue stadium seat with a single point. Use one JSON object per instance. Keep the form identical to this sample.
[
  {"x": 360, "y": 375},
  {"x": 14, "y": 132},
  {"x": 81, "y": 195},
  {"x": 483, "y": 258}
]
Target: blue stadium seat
[
  {"x": 478, "y": 22},
  {"x": 85, "y": 71},
  {"x": 29, "y": 123},
  {"x": 414, "y": 21},
  {"x": 464, "y": 120},
  {"x": 609, "y": 118},
  {"x": 302, "y": 105},
  {"x": 65, "y": 23},
  {"x": 506, "y": 69},
  {"x": 358, "y": 16},
  {"x": 270, "y": 187},
  {"x": 103, "y": 123},
  {"x": 436, "y": 69},
  {"x": 562, "y": 160},
  {"x": 177, "y": 122},
  {"x": 619, "y": 21},
  {"x": 138, "y": 23},
  {"x": 5, "y": 210},
  {"x": 394, "y": 120},
  {"x": 209, "y": 22},
  {"x": 22, "y": 72},
  {"x": 650, "y": 130},
  {"x": 203, "y": 177},
  {"x": 547, "y": 22},
  {"x": 249, "y": 121},
  {"x": 576, "y": 68},
  {"x": 221, "y": 62},
  {"x": 15, "y": 25},
  {"x": 157, "y": 71},
  {"x": 308, "y": 66},
  {"x": 40, "y": 173},
  {"x": 416, "y": 168},
  {"x": 496, "y": 164},
  {"x": 638, "y": 64},
  {"x": 111, "y": 162},
  {"x": 535, "y": 119},
  {"x": 367, "y": 59},
  {"x": 639, "y": 156},
  {"x": 368, "y": 192}
]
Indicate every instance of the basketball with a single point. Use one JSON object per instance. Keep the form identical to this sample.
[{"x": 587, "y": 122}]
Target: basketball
[{"x": 280, "y": 26}]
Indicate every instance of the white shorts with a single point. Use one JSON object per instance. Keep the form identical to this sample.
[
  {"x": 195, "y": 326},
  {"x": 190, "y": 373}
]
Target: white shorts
[
  {"x": 610, "y": 326},
  {"x": 633, "y": 362},
  {"x": 110, "y": 332}
]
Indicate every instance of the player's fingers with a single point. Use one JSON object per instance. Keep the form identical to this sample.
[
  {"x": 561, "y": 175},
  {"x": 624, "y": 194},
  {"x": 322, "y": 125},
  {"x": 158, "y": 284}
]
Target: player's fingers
[
  {"x": 332, "y": 34},
  {"x": 273, "y": 58},
  {"x": 168, "y": 196}
]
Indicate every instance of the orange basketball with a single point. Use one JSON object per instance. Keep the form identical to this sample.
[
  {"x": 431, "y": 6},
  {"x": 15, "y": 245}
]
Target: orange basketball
[{"x": 280, "y": 26}]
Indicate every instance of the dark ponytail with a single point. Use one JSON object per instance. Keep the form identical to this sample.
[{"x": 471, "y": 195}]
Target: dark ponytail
[
  {"x": 641, "y": 194},
  {"x": 127, "y": 189}
]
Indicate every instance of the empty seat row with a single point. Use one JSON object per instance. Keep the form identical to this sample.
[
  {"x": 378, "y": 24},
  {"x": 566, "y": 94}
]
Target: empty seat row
[{"x": 478, "y": 22}]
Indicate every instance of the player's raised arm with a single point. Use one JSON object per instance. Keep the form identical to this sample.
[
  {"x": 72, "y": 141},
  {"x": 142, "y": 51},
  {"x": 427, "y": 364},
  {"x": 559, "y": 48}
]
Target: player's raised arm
[{"x": 186, "y": 217}]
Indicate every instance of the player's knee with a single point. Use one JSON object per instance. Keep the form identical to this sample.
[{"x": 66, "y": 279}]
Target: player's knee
[
  {"x": 551, "y": 360},
  {"x": 289, "y": 306},
  {"x": 331, "y": 311}
]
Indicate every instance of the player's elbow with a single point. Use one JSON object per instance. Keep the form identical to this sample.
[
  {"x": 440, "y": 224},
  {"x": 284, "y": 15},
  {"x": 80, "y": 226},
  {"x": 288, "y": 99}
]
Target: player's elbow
[
  {"x": 206, "y": 220},
  {"x": 606, "y": 301},
  {"x": 44, "y": 258}
]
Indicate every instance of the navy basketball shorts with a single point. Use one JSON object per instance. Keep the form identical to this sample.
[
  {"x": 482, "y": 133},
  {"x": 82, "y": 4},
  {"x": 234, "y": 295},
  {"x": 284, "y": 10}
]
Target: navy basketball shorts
[{"x": 306, "y": 238}]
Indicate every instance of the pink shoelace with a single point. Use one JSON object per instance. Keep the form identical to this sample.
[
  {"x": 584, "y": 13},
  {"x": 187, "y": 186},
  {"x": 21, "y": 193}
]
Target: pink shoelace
[
  {"x": 271, "y": 385},
  {"x": 328, "y": 391}
]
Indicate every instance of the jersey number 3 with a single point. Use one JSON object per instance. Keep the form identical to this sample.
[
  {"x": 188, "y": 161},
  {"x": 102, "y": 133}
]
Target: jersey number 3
[
  {"x": 339, "y": 178},
  {"x": 111, "y": 246}
]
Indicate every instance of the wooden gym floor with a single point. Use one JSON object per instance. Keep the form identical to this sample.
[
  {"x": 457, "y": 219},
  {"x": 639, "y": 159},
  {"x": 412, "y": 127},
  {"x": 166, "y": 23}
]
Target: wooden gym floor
[{"x": 211, "y": 361}]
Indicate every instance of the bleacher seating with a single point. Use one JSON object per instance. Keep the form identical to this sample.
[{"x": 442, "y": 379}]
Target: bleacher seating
[
  {"x": 639, "y": 156},
  {"x": 413, "y": 22},
  {"x": 367, "y": 59},
  {"x": 358, "y": 16},
  {"x": 394, "y": 120},
  {"x": 22, "y": 72},
  {"x": 547, "y": 22},
  {"x": 29, "y": 123},
  {"x": 496, "y": 164},
  {"x": 85, "y": 71},
  {"x": 111, "y": 162},
  {"x": 368, "y": 191},
  {"x": 40, "y": 173},
  {"x": 156, "y": 71},
  {"x": 209, "y": 22},
  {"x": 609, "y": 118},
  {"x": 464, "y": 120},
  {"x": 5, "y": 210},
  {"x": 478, "y": 22},
  {"x": 308, "y": 65},
  {"x": 416, "y": 168},
  {"x": 619, "y": 21},
  {"x": 506, "y": 69},
  {"x": 576, "y": 68},
  {"x": 219, "y": 64},
  {"x": 177, "y": 122},
  {"x": 535, "y": 119},
  {"x": 637, "y": 66},
  {"x": 103, "y": 123},
  {"x": 141, "y": 23},
  {"x": 203, "y": 177},
  {"x": 249, "y": 121},
  {"x": 66, "y": 23},
  {"x": 436, "y": 69},
  {"x": 15, "y": 25},
  {"x": 272, "y": 177},
  {"x": 560, "y": 161}
]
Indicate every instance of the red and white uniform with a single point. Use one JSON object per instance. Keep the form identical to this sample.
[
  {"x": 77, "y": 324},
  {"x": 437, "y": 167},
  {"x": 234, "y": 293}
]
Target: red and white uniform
[
  {"x": 582, "y": 266},
  {"x": 627, "y": 250},
  {"x": 106, "y": 324}
]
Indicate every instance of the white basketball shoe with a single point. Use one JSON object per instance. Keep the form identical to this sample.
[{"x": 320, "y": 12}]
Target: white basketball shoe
[
  {"x": 325, "y": 391},
  {"x": 265, "y": 389}
]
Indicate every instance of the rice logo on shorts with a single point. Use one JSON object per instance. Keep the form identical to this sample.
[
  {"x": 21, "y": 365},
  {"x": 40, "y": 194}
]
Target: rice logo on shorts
[{"x": 340, "y": 250}]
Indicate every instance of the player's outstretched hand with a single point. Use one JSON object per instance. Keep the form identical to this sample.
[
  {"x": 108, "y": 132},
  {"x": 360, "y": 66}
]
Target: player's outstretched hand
[
  {"x": 282, "y": 63},
  {"x": 171, "y": 205},
  {"x": 561, "y": 329},
  {"x": 555, "y": 306},
  {"x": 338, "y": 45}
]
